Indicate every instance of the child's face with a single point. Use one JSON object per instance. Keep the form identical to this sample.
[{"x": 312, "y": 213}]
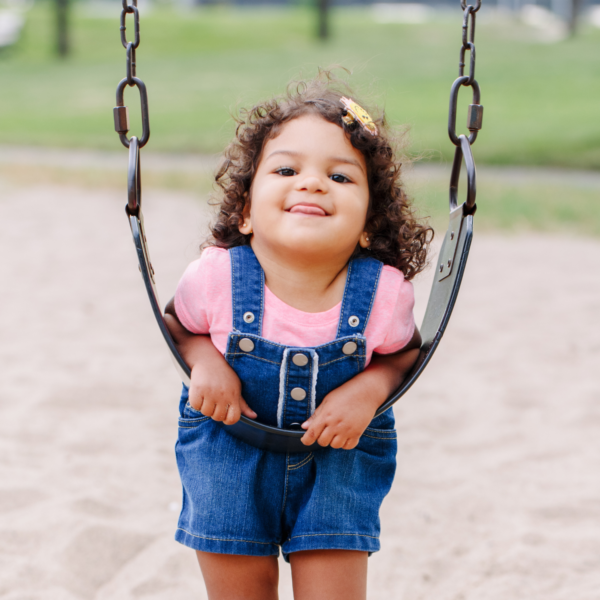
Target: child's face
[{"x": 310, "y": 193}]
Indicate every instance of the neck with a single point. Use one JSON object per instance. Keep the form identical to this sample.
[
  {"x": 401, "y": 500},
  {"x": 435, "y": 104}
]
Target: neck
[{"x": 303, "y": 281}]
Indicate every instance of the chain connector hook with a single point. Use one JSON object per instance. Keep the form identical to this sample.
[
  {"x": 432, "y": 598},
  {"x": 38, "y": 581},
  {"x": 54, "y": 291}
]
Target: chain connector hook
[
  {"x": 119, "y": 119},
  {"x": 475, "y": 115}
]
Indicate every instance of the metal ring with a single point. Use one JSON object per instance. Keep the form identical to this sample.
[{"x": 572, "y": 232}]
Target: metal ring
[
  {"x": 127, "y": 7},
  {"x": 130, "y": 67},
  {"x": 134, "y": 180},
  {"x": 136, "y": 26},
  {"x": 463, "y": 150},
  {"x": 465, "y": 26},
  {"x": 463, "y": 5},
  {"x": 461, "y": 68},
  {"x": 464, "y": 80},
  {"x": 144, "y": 106}
]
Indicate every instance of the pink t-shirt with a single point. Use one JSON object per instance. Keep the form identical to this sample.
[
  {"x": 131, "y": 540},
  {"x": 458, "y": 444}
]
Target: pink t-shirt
[{"x": 203, "y": 305}]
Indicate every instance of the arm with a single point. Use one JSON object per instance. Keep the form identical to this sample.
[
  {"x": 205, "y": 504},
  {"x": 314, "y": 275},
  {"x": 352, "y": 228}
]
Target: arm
[
  {"x": 346, "y": 412},
  {"x": 215, "y": 388}
]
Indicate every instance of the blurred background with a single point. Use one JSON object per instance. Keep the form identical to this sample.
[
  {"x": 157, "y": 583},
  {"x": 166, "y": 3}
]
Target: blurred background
[
  {"x": 538, "y": 66},
  {"x": 497, "y": 494}
]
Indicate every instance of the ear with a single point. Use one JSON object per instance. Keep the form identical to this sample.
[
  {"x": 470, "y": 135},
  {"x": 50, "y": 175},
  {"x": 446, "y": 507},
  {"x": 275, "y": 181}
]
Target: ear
[
  {"x": 364, "y": 240},
  {"x": 245, "y": 227}
]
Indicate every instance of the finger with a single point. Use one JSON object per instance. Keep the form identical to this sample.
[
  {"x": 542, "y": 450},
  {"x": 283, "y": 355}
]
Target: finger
[
  {"x": 220, "y": 412},
  {"x": 338, "y": 441},
  {"x": 196, "y": 400},
  {"x": 307, "y": 423},
  {"x": 208, "y": 408},
  {"x": 351, "y": 443},
  {"x": 246, "y": 410},
  {"x": 314, "y": 431},
  {"x": 325, "y": 437},
  {"x": 233, "y": 414}
]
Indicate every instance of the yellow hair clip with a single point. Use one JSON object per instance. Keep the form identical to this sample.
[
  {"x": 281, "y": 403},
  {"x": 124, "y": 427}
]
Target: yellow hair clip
[{"x": 354, "y": 113}]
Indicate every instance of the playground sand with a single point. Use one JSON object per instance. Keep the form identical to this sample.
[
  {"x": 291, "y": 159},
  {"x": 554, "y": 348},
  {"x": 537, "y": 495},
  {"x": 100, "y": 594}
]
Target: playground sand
[{"x": 497, "y": 493}]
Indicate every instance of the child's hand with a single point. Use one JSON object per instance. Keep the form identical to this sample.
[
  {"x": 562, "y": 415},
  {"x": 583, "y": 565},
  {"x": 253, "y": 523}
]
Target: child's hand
[
  {"x": 339, "y": 421},
  {"x": 216, "y": 391},
  {"x": 346, "y": 412},
  {"x": 215, "y": 388}
]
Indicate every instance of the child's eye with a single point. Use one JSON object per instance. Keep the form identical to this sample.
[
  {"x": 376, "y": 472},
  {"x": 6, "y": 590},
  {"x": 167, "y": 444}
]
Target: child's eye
[
  {"x": 286, "y": 172},
  {"x": 339, "y": 178}
]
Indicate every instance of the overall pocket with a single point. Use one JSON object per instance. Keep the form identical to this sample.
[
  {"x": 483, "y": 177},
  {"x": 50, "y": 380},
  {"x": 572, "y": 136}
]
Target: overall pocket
[{"x": 191, "y": 417}]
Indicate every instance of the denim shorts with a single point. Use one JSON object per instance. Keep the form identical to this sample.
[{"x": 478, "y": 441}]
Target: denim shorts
[{"x": 238, "y": 499}]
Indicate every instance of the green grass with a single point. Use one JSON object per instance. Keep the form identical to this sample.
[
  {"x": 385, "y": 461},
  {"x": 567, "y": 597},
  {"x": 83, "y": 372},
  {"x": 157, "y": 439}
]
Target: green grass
[
  {"x": 541, "y": 100},
  {"x": 534, "y": 206}
]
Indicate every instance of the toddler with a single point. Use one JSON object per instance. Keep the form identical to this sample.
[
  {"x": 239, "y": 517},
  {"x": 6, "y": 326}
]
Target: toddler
[{"x": 297, "y": 314}]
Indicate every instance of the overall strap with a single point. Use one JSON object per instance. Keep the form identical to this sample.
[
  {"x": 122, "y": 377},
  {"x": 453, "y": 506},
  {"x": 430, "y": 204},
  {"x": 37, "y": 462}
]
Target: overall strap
[
  {"x": 247, "y": 290},
  {"x": 361, "y": 287}
]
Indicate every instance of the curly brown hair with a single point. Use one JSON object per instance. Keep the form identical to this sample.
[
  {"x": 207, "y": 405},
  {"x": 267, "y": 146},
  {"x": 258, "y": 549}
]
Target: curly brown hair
[{"x": 397, "y": 238}]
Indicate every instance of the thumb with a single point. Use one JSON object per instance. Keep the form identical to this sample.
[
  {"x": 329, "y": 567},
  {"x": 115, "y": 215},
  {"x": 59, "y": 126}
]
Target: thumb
[{"x": 246, "y": 410}]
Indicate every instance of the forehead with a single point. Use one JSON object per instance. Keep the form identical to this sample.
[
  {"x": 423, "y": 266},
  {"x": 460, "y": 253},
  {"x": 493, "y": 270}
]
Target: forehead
[{"x": 312, "y": 135}]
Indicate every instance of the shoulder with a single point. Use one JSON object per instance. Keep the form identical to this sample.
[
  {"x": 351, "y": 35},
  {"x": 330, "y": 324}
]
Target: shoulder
[
  {"x": 215, "y": 258},
  {"x": 391, "y": 324},
  {"x": 212, "y": 262},
  {"x": 208, "y": 274},
  {"x": 393, "y": 286}
]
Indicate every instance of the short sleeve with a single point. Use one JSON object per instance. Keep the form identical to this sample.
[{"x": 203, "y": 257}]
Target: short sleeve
[
  {"x": 392, "y": 322},
  {"x": 201, "y": 288}
]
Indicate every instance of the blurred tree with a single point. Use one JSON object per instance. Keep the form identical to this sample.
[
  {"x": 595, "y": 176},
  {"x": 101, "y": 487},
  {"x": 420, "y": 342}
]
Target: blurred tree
[
  {"x": 573, "y": 16},
  {"x": 323, "y": 11},
  {"x": 62, "y": 27}
]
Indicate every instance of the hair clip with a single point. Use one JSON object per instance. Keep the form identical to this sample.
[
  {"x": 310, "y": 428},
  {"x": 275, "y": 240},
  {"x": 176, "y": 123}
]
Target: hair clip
[{"x": 354, "y": 113}]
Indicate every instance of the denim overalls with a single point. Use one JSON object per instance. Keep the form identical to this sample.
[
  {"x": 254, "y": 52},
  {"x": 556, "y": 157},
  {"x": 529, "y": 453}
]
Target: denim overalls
[{"x": 238, "y": 499}]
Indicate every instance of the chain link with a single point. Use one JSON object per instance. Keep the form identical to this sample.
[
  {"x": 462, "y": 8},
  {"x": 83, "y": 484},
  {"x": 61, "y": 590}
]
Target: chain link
[
  {"x": 477, "y": 6},
  {"x": 121, "y": 112},
  {"x": 475, "y": 114}
]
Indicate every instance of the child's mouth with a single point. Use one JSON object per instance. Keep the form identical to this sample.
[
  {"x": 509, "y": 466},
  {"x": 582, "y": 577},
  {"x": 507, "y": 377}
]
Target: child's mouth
[{"x": 308, "y": 209}]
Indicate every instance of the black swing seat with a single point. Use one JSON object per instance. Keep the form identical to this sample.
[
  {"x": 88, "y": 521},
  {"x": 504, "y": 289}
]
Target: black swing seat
[{"x": 449, "y": 269}]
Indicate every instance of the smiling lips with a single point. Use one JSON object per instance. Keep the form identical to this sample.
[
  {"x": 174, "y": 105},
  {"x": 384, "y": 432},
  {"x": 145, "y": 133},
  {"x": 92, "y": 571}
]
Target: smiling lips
[{"x": 308, "y": 209}]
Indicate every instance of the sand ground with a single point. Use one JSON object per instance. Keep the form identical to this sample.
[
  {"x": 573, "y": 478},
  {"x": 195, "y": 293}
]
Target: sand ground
[{"x": 497, "y": 493}]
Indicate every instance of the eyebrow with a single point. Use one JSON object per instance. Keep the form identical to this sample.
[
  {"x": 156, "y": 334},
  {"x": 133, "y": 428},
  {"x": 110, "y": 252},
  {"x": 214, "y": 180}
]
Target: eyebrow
[{"x": 337, "y": 159}]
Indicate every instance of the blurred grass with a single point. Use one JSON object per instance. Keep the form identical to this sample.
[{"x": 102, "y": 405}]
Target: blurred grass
[
  {"x": 541, "y": 100},
  {"x": 522, "y": 207},
  {"x": 533, "y": 205}
]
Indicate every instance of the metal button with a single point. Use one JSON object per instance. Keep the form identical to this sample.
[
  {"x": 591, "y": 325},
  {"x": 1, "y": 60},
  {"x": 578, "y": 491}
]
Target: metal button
[
  {"x": 249, "y": 317},
  {"x": 298, "y": 394},
  {"x": 353, "y": 321},
  {"x": 300, "y": 360},
  {"x": 246, "y": 344},
  {"x": 349, "y": 348},
  {"x": 295, "y": 426}
]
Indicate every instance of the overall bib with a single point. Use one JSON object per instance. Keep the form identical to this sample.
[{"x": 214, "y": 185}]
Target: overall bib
[{"x": 238, "y": 499}]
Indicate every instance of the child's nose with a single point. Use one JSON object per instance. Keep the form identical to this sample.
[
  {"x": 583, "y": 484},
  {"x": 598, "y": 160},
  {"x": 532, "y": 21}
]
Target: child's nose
[{"x": 312, "y": 184}]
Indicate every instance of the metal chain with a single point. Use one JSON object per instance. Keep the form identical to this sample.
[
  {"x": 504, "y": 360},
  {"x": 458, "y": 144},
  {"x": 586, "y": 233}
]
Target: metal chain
[
  {"x": 121, "y": 112},
  {"x": 474, "y": 116}
]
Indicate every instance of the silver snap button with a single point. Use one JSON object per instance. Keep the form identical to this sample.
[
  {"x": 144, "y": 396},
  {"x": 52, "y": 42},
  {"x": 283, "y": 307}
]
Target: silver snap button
[
  {"x": 298, "y": 394},
  {"x": 353, "y": 321},
  {"x": 349, "y": 348},
  {"x": 295, "y": 425},
  {"x": 300, "y": 360},
  {"x": 246, "y": 344},
  {"x": 249, "y": 317}
]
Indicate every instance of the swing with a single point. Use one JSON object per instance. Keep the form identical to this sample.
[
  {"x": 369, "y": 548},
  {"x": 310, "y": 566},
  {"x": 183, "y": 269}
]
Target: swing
[{"x": 450, "y": 264}]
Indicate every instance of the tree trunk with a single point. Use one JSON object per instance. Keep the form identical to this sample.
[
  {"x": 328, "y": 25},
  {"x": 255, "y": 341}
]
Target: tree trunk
[
  {"x": 323, "y": 6},
  {"x": 573, "y": 17},
  {"x": 62, "y": 27}
]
